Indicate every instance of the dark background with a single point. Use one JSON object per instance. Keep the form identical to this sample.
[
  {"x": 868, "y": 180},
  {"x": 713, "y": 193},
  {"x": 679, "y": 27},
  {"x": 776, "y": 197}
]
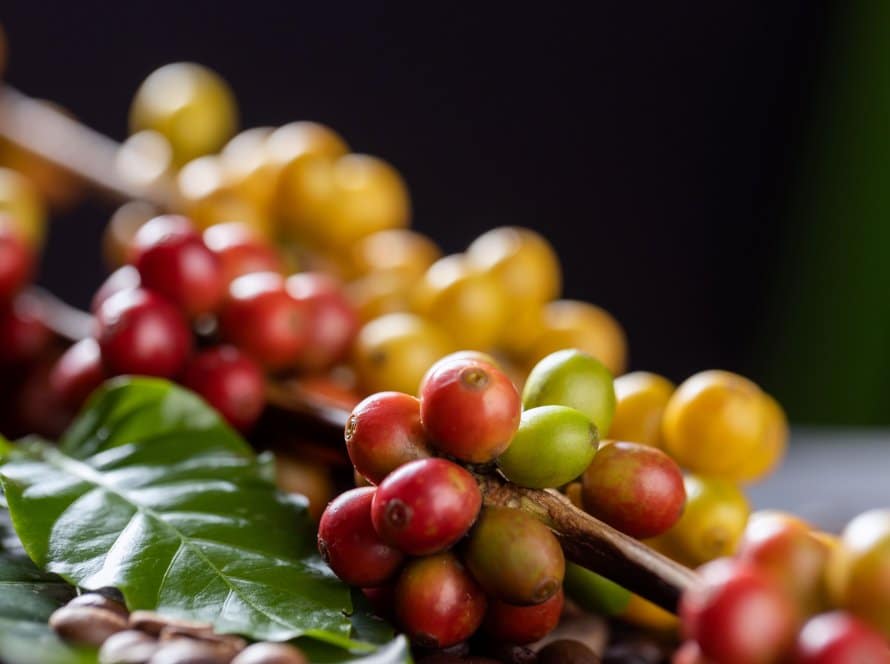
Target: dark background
[{"x": 653, "y": 143}]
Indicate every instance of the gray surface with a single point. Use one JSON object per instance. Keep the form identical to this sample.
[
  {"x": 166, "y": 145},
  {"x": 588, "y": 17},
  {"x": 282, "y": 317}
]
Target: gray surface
[{"x": 829, "y": 476}]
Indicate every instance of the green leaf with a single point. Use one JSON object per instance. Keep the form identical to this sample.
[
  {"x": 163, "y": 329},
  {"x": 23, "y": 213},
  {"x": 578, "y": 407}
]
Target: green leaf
[
  {"x": 397, "y": 651},
  {"x": 27, "y": 598},
  {"x": 154, "y": 495}
]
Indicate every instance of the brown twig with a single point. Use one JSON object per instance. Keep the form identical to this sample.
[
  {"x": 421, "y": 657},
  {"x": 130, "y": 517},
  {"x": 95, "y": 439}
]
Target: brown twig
[{"x": 52, "y": 135}]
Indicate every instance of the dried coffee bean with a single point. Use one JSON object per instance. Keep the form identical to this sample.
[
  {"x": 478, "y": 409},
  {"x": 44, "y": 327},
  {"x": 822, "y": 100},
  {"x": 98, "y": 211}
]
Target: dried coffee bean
[
  {"x": 446, "y": 658},
  {"x": 567, "y": 651},
  {"x": 270, "y": 653},
  {"x": 226, "y": 643},
  {"x": 154, "y": 623},
  {"x": 189, "y": 651},
  {"x": 86, "y": 625},
  {"x": 128, "y": 647},
  {"x": 100, "y": 601}
]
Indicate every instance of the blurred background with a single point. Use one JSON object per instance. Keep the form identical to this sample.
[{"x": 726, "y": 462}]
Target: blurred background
[{"x": 713, "y": 174}]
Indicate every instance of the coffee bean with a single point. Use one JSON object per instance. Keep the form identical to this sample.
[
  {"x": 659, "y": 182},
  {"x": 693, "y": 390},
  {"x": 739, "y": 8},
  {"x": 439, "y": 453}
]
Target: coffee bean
[
  {"x": 154, "y": 623},
  {"x": 270, "y": 653},
  {"x": 567, "y": 651},
  {"x": 86, "y": 625},
  {"x": 99, "y": 601},
  {"x": 128, "y": 647},
  {"x": 189, "y": 651}
]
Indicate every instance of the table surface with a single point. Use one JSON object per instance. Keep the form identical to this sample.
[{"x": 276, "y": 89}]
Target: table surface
[{"x": 829, "y": 476}]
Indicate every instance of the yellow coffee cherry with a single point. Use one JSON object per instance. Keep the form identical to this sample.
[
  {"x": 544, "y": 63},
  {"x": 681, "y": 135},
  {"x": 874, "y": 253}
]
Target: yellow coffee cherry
[
  {"x": 379, "y": 293},
  {"x": 641, "y": 398},
  {"x": 400, "y": 250},
  {"x": 712, "y": 523},
  {"x": 117, "y": 238},
  {"x": 394, "y": 351},
  {"x": 469, "y": 305},
  {"x": 20, "y": 202},
  {"x": 298, "y": 138},
  {"x": 859, "y": 569},
  {"x": 368, "y": 195},
  {"x": 206, "y": 197},
  {"x": 714, "y": 422},
  {"x": 144, "y": 160},
  {"x": 190, "y": 105},
  {"x": 304, "y": 189},
  {"x": 249, "y": 169},
  {"x": 521, "y": 260},
  {"x": 573, "y": 324},
  {"x": 770, "y": 448}
]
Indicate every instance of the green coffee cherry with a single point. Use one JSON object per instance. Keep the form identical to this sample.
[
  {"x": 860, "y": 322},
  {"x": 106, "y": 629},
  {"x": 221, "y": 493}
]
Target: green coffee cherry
[
  {"x": 575, "y": 379},
  {"x": 595, "y": 593},
  {"x": 514, "y": 557},
  {"x": 553, "y": 446}
]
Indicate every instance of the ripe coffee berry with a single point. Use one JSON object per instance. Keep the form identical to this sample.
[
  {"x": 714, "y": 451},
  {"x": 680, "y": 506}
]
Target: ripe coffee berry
[
  {"x": 469, "y": 408},
  {"x": 139, "y": 332},
  {"x": 264, "y": 321},
  {"x": 241, "y": 251},
  {"x": 438, "y": 603},
  {"x": 77, "y": 373},
  {"x": 839, "y": 638},
  {"x": 16, "y": 261},
  {"x": 23, "y": 335},
  {"x": 230, "y": 382},
  {"x": 515, "y": 557},
  {"x": 123, "y": 278},
  {"x": 522, "y": 624},
  {"x": 426, "y": 506},
  {"x": 173, "y": 261},
  {"x": 737, "y": 615},
  {"x": 384, "y": 432},
  {"x": 349, "y": 544},
  {"x": 635, "y": 488},
  {"x": 333, "y": 322}
]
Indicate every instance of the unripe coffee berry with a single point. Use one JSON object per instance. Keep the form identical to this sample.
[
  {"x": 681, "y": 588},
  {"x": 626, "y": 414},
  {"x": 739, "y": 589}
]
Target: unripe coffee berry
[
  {"x": 350, "y": 545},
  {"x": 426, "y": 506},
  {"x": 469, "y": 408},
  {"x": 515, "y": 557},
  {"x": 384, "y": 432}
]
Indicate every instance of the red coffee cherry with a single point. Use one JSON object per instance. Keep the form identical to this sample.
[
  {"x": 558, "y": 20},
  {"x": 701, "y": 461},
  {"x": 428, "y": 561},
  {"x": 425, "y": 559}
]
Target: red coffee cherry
[
  {"x": 737, "y": 615},
  {"x": 173, "y": 261},
  {"x": 240, "y": 250},
  {"x": 333, "y": 322},
  {"x": 635, "y": 488},
  {"x": 438, "y": 604},
  {"x": 349, "y": 544},
  {"x": 426, "y": 506},
  {"x": 77, "y": 373},
  {"x": 230, "y": 382},
  {"x": 123, "y": 278},
  {"x": 522, "y": 624},
  {"x": 139, "y": 332},
  {"x": 384, "y": 432},
  {"x": 17, "y": 261},
  {"x": 264, "y": 321},
  {"x": 23, "y": 335},
  {"x": 839, "y": 638},
  {"x": 469, "y": 408}
]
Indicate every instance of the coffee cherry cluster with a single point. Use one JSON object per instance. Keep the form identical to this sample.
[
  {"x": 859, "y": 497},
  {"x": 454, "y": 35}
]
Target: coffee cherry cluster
[
  {"x": 793, "y": 595},
  {"x": 213, "y": 311},
  {"x": 421, "y": 534}
]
